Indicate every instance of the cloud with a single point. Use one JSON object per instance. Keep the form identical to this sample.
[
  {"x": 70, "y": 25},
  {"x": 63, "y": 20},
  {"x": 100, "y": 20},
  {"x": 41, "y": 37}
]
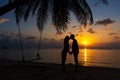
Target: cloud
[
  {"x": 11, "y": 40},
  {"x": 30, "y": 37},
  {"x": 116, "y": 37},
  {"x": 45, "y": 38},
  {"x": 81, "y": 29},
  {"x": 108, "y": 29},
  {"x": 105, "y": 22},
  {"x": 59, "y": 32},
  {"x": 76, "y": 34},
  {"x": 61, "y": 40},
  {"x": 91, "y": 30},
  {"x": 3, "y": 20},
  {"x": 112, "y": 34},
  {"x": 112, "y": 45},
  {"x": 2, "y": 35},
  {"x": 53, "y": 39},
  {"x": 69, "y": 33},
  {"x": 28, "y": 42},
  {"x": 74, "y": 26}
]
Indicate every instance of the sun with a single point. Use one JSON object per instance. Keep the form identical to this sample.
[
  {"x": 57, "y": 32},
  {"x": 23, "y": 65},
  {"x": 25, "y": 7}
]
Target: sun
[{"x": 85, "y": 43}]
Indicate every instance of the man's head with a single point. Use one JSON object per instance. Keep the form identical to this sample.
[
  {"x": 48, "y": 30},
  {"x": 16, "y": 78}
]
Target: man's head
[{"x": 72, "y": 36}]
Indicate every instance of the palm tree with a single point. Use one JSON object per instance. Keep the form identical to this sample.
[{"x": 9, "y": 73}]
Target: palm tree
[{"x": 59, "y": 10}]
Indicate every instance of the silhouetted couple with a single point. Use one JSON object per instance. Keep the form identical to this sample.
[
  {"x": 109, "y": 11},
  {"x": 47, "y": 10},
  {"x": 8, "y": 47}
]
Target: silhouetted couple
[{"x": 75, "y": 50}]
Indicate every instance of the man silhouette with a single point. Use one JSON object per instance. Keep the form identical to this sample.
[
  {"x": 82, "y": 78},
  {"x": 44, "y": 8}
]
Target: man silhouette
[{"x": 75, "y": 50}]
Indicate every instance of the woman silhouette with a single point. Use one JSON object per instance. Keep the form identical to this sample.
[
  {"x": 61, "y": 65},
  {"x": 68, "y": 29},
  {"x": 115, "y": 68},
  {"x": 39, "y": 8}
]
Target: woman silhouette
[{"x": 65, "y": 50}]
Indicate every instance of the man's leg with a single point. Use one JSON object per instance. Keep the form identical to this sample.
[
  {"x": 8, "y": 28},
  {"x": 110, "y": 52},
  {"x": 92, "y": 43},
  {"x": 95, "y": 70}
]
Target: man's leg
[{"x": 76, "y": 61}]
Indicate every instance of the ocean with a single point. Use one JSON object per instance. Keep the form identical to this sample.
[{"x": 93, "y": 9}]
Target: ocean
[{"x": 86, "y": 57}]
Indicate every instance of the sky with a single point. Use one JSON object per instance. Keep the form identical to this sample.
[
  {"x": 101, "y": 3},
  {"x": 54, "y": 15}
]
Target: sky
[{"x": 103, "y": 34}]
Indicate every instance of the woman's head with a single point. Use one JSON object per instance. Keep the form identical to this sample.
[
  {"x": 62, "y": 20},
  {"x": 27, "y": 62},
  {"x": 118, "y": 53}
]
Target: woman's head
[{"x": 67, "y": 38}]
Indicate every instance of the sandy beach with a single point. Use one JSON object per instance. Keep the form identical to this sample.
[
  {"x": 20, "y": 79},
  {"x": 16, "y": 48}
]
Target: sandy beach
[{"x": 15, "y": 70}]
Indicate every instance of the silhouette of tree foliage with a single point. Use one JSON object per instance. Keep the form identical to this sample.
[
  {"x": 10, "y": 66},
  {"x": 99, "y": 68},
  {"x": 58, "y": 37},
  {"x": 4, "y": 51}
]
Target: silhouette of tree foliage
[{"x": 58, "y": 9}]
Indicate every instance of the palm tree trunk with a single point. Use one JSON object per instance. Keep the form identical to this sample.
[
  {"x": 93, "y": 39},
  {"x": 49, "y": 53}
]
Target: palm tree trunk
[
  {"x": 23, "y": 59},
  {"x": 38, "y": 55}
]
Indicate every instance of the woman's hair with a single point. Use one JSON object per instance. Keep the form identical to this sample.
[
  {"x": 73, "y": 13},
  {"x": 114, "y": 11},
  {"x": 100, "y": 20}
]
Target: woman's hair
[{"x": 66, "y": 38}]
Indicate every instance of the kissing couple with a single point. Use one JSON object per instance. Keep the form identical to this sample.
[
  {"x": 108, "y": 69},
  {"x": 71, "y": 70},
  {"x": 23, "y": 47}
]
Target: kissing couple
[{"x": 65, "y": 50}]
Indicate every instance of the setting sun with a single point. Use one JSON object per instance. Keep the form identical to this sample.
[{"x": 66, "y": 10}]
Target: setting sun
[{"x": 85, "y": 43}]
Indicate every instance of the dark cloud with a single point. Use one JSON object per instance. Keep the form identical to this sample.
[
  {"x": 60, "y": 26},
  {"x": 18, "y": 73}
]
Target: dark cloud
[
  {"x": 2, "y": 35},
  {"x": 105, "y": 22},
  {"x": 81, "y": 29},
  {"x": 17, "y": 35},
  {"x": 74, "y": 26},
  {"x": 116, "y": 37},
  {"x": 53, "y": 39},
  {"x": 76, "y": 34},
  {"x": 12, "y": 34},
  {"x": 112, "y": 45},
  {"x": 45, "y": 39},
  {"x": 69, "y": 33},
  {"x": 59, "y": 32},
  {"x": 30, "y": 37},
  {"x": 61, "y": 39},
  {"x": 108, "y": 29},
  {"x": 28, "y": 42},
  {"x": 3, "y": 20},
  {"x": 81, "y": 35},
  {"x": 112, "y": 34},
  {"x": 91, "y": 30},
  {"x": 9, "y": 42}
]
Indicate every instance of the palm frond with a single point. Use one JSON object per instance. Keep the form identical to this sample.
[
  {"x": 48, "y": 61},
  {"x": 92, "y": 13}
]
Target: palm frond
[
  {"x": 77, "y": 10},
  {"x": 19, "y": 13},
  {"x": 35, "y": 7},
  {"x": 29, "y": 7},
  {"x": 42, "y": 14},
  {"x": 60, "y": 11},
  {"x": 60, "y": 14},
  {"x": 105, "y": 1},
  {"x": 88, "y": 13},
  {"x": 11, "y": 1}
]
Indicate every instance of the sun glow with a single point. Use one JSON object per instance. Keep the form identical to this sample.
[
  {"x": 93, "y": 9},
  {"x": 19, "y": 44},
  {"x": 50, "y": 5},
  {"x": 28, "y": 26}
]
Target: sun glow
[{"x": 85, "y": 43}]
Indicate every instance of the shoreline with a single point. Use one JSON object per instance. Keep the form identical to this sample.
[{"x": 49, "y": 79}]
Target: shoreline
[{"x": 17, "y": 70}]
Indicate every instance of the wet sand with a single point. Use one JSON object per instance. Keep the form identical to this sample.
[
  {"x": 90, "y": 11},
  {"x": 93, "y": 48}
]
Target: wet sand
[{"x": 15, "y": 70}]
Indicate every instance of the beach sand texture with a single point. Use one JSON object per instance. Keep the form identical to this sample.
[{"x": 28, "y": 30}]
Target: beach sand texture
[{"x": 15, "y": 70}]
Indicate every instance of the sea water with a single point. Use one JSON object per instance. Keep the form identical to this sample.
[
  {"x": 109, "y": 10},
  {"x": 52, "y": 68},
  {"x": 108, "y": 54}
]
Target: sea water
[{"x": 86, "y": 57}]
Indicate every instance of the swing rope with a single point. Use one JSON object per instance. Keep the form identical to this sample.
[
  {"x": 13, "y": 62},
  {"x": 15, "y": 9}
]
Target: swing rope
[{"x": 38, "y": 55}]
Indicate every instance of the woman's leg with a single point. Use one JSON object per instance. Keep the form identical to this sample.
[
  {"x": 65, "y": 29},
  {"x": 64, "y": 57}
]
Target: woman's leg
[{"x": 63, "y": 59}]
